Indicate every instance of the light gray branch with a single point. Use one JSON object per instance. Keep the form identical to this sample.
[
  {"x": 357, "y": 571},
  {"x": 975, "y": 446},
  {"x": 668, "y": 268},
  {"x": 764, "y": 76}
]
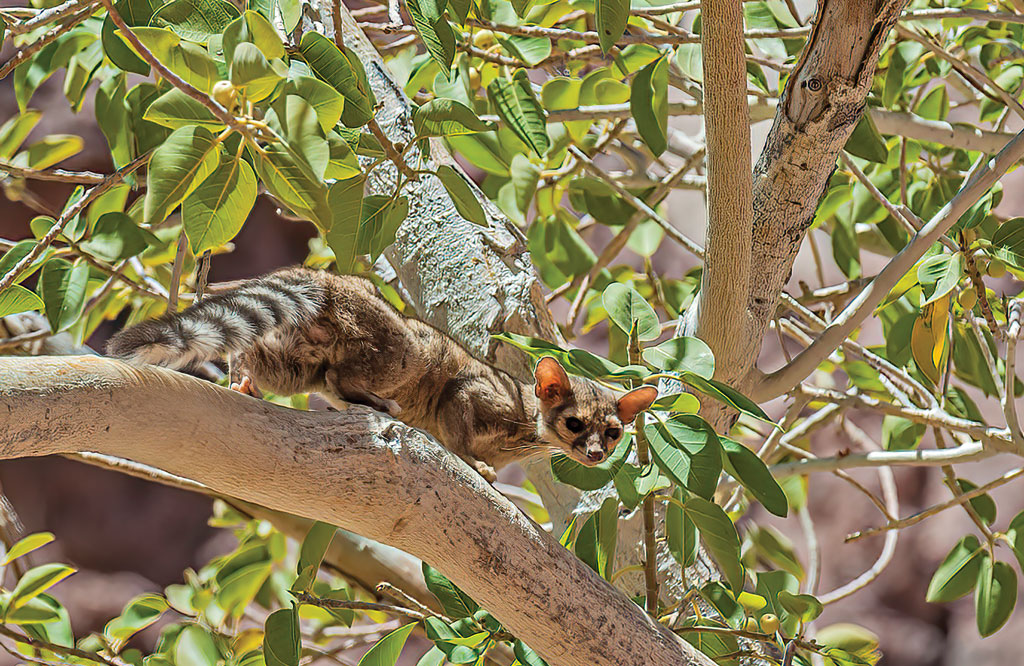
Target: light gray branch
[{"x": 356, "y": 469}]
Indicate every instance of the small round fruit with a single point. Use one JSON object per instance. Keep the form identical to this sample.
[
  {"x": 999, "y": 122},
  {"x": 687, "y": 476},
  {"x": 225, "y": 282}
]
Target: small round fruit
[
  {"x": 751, "y": 625},
  {"x": 224, "y": 93},
  {"x": 769, "y": 623},
  {"x": 968, "y": 298},
  {"x": 996, "y": 269},
  {"x": 981, "y": 263},
  {"x": 483, "y": 39},
  {"x": 474, "y": 78}
]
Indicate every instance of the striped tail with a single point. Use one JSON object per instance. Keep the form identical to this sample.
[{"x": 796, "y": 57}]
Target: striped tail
[{"x": 223, "y": 323}]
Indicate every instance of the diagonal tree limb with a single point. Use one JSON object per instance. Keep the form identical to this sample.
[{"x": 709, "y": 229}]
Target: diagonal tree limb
[{"x": 356, "y": 469}]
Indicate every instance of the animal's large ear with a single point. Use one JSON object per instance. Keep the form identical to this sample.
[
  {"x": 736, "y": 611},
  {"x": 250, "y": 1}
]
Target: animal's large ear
[
  {"x": 553, "y": 386},
  {"x": 635, "y": 402}
]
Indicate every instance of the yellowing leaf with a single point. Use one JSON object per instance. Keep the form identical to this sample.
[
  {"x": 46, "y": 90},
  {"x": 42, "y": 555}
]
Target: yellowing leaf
[{"x": 929, "y": 341}]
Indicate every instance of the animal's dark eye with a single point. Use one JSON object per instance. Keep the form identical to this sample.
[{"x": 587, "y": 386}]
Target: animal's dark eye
[
  {"x": 612, "y": 433},
  {"x": 574, "y": 424}
]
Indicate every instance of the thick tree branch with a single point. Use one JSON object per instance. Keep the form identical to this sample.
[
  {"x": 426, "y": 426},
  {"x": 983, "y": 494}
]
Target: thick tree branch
[
  {"x": 822, "y": 102},
  {"x": 356, "y": 469},
  {"x": 722, "y": 320}
]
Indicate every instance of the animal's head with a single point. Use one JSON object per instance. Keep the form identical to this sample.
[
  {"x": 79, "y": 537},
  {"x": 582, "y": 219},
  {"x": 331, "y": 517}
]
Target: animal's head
[{"x": 581, "y": 418}]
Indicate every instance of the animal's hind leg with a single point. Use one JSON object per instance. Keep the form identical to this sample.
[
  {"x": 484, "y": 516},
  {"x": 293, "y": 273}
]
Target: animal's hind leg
[
  {"x": 239, "y": 380},
  {"x": 343, "y": 387}
]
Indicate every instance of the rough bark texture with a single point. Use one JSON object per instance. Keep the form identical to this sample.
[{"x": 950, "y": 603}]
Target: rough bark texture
[
  {"x": 356, "y": 469},
  {"x": 821, "y": 105}
]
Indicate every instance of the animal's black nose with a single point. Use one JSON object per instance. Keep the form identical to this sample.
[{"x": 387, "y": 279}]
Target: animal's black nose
[{"x": 595, "y": 456}]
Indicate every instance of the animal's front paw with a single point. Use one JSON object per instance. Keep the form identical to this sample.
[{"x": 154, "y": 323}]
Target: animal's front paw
[
  {"x": 485, "y": 471},
  {"x": 246, "y": 387}
]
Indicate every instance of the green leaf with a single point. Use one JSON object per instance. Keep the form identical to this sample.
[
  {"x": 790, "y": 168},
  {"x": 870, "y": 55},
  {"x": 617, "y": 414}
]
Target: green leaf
[
  {"x": 290, "y": 179},
  {"x": 680, "y": 532},
  {"x": 189, "y": 61},
  {"x": 20, "y": 250},
  {"x": 27, "y": 544},
  {"x": 625, "y": 306},
  {"x": 447, "y": 117},
  {"x": 958, "y": 573},
  {"x": 685, "y": 403},
  {"x": 343, "y": 163},
  {"x": 387, "y": 649},
  {"x": 252, "y": 27},
  {"x": 688, "y": 451},
  {"x": 344, "y": 73},
  {"x": 16, "y": 299},
  {"x": 866, "y": 143},
  {"x": 648, "y": 102},
  {"x": 1015, "y": 533},
  {"x": 519, "y": 108},
  {"x": 804, "y": 606},
  {"x": 595, "y": 543},
  {"x": 186, "y": 159},
  {"x": 995, "y": 596},
  {"x": 939, "y": 275},
  {"x": 196, "y": 647},
  {"x": 435, "y": 31},
  {"x": 281, "y": 639},
  {"x": 682, "y": 354},
  {"x": 934, "y": 105},
  {"x": 983, "y": 504},
  {"x": 195, "y": 20},
  {"x": 215, "y": 211},
  {"x": 611, "y": 17},
  {"x": 1009, "y": 239},
  {"x": 345, "y": 200},
  {"x": 525, "y": 655},
  {"x": 380, "y": 218},
  {"x": 36, "y": 581},
  {"x": 253, "y": 73},
  {"x": 40, "y": 610},
  {"x": 567, "y": 470},
  {"x": 719, "y": 535},
  {"x": 455, "y": 602},
  {"x": 139, "y": 613},
  {"x": 325, "y": 100},
  {"x": 49, "y": 151},
  {"x": 175, "y": 109},
  {"x": 14, "y": 132},
  {"x": 462, "y": 195},
  {"x": 62, "y": 287},
  {"x": 238, "y": 589},
  {"x": 116, "y": 237},
  {"x": 726, "y": 394},
  {"x": 750, "y": 470},
  {"x": 314, "y": 547}
]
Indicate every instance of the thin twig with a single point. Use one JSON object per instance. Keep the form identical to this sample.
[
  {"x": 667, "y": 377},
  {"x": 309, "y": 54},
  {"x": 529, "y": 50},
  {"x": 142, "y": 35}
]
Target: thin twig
[
  {"x": 938, "y": 508},
  {"x": 204, "y": 275},
  {"x": 47, "y": 16},
  {"x": 69, "y": 214},
  {"x": 26, "y": 52},
  {"x": 643, "y": 454},
  {"x": 971, "y": 268},
  {"x": 56, "y": 175},
  {"x": 179, "y": 262},
  {"x": 313, "y": 600}
]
